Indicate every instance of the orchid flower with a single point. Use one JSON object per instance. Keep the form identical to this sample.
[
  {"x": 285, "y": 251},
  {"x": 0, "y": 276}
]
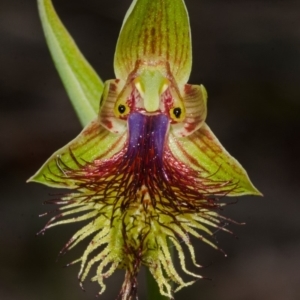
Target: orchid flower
[{"x": 146, "y": 171}]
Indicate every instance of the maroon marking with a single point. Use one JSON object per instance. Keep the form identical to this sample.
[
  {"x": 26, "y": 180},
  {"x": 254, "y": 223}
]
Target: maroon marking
[
  {"x": 154, "y": 40},
  {"x": 113, "y": 87},
  {"x": 188, "y": 88},
  {"x": 107, "y": 123}
]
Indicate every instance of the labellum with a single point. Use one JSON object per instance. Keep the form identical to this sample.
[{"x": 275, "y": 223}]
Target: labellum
[{"x": 147, "y": 173}]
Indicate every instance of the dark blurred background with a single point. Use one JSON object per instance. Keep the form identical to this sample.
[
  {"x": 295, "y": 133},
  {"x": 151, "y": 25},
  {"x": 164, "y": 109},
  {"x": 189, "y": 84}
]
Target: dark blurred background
[{"x": 247, "y": 54}]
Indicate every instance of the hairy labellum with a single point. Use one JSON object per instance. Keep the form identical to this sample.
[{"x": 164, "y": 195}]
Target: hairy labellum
[{"x": 140, "y": 201}]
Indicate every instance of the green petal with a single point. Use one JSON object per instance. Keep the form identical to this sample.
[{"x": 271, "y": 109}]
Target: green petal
[
  {"x": 109, "y": 101},
  {"x": 203, "y": 152},
  {"x": 153, "y": 33},
  {"x": 94, "y": 141},
  {"x": 83, "y": 85},
  {"x": 195, "y": 99}
]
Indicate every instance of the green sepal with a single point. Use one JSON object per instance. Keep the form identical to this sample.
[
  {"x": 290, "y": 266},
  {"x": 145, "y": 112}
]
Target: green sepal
[
  {"x": 203, "y": 152},
  {"x": 83, "y": 85},
  {"x": 93, "y": 142},
  {"x": 154, "y": 33}
]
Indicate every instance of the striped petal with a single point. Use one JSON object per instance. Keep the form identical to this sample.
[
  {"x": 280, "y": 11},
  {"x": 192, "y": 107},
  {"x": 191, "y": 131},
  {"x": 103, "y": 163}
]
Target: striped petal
[
  {"x": 203, "y": 152},
  {"x": 155, "y": 33},
  {"x": 92, "y": 143},
  {"x": 194, "y": 98},
  {"x": 112, "y": 95}
]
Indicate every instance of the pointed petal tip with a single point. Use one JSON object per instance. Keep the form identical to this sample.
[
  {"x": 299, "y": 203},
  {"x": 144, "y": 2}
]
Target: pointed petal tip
[
  {"x": 39, "y": 178},
  {"x": 256, "y": 192},
  {"x": 249, "y": 190},
  {"x": 33, "y": 178},
  {"x": 29, "y": 180}
]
